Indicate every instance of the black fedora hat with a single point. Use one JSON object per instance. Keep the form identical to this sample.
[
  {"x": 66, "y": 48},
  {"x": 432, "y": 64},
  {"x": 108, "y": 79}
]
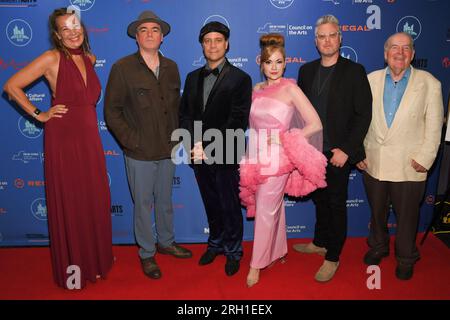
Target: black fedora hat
[{"x": 147, "y": 16}]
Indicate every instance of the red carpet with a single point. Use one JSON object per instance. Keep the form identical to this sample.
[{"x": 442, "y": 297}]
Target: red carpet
[{"x": 25, "y": 273}]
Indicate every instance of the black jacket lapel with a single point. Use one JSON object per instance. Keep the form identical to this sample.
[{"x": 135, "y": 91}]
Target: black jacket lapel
[{"x": 199, "y": 97}]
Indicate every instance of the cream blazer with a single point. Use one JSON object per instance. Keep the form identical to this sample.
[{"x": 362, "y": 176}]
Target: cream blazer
[{"x": 415, "y": 132}]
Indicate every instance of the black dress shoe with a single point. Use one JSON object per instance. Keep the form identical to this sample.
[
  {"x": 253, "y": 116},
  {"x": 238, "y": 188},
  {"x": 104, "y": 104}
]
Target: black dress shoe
[
  {"x": 404, "y": 271},
  {"x": 232, "y": 266},
  {"x": 207, "y": 257},
  {"x": 175, "y": 250},
  {"x": 373, "y": 257},
  {"x": 150, "y": 268}
]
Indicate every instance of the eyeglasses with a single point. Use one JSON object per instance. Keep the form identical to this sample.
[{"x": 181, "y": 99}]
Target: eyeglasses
[{"x": 332, "y": 36}]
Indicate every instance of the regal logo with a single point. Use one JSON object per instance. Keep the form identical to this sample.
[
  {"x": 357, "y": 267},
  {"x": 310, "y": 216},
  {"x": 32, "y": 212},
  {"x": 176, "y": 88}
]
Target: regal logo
[
  {"x": 84, "y": 5},
  {"x": 19, "y": 32},
  {"x": 36, "y": 183},
  {"x": 39, "y": 209},
  {"x": 12, "y": 63},
  {"x": 111, "y": 153},
  {"x": 281, "y": 4},
  {"x": 410, "y": 25},
  {"x": 295, "y": 60},
  {"x": 354, "y": 28},
  {"x": 18, "y": 3},
  {"x": 97, "y": 30}
]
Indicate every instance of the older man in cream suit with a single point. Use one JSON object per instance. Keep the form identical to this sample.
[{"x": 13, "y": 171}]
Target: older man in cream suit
[{"x": 400, "y": 146}]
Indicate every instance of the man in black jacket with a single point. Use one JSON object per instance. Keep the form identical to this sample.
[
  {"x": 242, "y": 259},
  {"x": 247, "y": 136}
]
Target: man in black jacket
[
  {"x": 218, "y": 97},
  {"x": 339, "y": 90}
]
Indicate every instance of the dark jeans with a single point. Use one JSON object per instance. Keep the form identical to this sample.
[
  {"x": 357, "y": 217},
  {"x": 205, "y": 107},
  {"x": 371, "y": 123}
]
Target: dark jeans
[
  {"x": 331, "y": 210},
  {"x": 405, "y": 198},
  {"x": 219, "y": 188}
]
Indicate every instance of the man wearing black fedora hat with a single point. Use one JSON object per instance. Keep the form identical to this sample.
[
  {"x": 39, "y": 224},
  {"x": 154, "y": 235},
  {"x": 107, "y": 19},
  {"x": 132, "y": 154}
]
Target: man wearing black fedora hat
[
  {"x": 141, "y": 109},
  {"x": 218, "y": 96}
]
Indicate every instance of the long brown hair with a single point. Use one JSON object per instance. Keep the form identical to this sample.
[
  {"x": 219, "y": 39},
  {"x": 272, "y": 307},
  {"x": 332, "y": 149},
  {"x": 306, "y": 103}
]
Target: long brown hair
[{"x": 57, "y": 43}]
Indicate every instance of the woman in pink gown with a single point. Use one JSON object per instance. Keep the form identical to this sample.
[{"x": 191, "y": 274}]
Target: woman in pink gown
[
  {"x": 76, "y": 183},
  {"x": 280, "y": 158}
]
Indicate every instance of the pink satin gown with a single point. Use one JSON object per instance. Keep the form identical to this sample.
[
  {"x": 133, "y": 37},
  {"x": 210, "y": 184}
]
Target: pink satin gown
[{"x": 270, "y": 170}]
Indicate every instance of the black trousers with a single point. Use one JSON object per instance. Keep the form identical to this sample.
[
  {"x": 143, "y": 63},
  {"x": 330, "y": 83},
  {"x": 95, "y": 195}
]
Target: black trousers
[
  {"x": 331, "y": 210},
  {"x": 219, "y": 188},
  {"x": 405, "y": 198}
]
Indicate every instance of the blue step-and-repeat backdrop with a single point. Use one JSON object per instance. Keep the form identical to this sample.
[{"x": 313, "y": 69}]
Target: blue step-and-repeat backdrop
[{"x": 24, "y": 35}]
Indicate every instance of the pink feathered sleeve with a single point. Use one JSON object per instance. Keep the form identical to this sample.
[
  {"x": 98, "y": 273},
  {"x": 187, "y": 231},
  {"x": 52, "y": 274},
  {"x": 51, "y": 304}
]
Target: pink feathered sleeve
[{"x": 310, "y": 164}]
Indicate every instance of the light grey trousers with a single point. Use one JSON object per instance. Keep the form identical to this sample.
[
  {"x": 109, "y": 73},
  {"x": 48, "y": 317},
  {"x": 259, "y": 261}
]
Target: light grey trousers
[{"x": 151, "y": 185}]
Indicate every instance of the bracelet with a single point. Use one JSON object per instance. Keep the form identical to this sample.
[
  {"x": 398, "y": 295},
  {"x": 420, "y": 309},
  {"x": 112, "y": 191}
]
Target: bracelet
[{"x": 36, "y": 112}]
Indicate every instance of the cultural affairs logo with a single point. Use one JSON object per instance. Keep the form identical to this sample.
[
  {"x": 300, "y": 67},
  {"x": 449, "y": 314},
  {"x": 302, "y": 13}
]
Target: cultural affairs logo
[
  {"x": 19, "y": 32},
  {"x": 410, "y": 25},
  {"x": 281, "y": 4},
  {"x": 39, "y": 209},
  {"x": 349, "y": 53},
  {"x": 28, "y": 129},
  {"x": 84, "y": 5}
]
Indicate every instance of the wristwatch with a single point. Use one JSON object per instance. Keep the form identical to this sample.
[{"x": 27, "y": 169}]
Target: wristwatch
[{"x": 36, "y": 112}]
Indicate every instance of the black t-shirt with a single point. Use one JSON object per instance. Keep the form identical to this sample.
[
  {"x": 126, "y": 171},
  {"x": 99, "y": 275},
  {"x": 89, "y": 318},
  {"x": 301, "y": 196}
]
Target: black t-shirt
[{"x": 319, "y": 98}]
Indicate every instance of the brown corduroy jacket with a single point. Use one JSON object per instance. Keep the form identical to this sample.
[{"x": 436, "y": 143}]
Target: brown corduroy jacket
[{"x": 140, "y": 110}]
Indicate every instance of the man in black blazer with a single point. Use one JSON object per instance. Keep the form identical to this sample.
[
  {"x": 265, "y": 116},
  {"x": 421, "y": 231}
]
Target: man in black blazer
[
  {"x": 218, "y": 97},
  {"x": 339, "y": 90}
]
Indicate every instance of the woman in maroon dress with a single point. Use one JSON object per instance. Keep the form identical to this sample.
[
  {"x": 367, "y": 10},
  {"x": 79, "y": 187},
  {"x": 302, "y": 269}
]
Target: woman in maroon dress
[{"x": 76, "y": 183}]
